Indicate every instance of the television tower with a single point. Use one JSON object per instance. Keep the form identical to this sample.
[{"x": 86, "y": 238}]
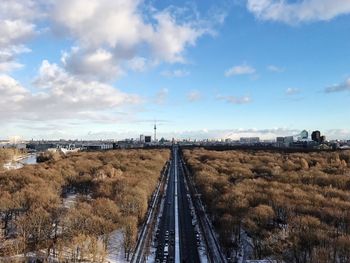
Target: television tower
[{"x": 155, "y": 131}]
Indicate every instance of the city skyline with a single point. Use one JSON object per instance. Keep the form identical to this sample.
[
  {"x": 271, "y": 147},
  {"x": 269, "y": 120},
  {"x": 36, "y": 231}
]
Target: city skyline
[{"x": 107, "y": 69}]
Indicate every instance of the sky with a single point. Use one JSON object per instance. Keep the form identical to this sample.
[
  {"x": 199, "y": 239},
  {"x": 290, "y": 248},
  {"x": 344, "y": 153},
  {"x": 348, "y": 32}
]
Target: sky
[{"x": 110, "y": 69}]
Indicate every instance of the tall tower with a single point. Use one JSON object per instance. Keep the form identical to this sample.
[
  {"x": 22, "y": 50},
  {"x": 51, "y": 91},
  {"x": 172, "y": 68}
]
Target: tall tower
[{"x": 155, "y": 131}]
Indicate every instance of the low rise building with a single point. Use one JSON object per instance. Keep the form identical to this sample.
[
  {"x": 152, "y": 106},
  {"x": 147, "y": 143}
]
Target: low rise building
[{"x": 249, "y": 140}]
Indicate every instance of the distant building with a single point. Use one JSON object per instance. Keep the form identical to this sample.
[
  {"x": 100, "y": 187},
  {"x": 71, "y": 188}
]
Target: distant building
[
  {"x": 280, "y": 139},
  {"x": 304, "y": 135},
  {"x": 155, "y": 132},
  {"x": 99, "y": 147},
  {"x": 249, "y": 140},
  {"x": 148, "y": 139},
  {"x": 142, "y": 138},
  {"x": 284, "y": 141},
  {"x": 289, "y": 139},
  {"x": 7, "y": 144},
  {"x": 41, "y": 146},
  {"x": 316, "y": 136}
]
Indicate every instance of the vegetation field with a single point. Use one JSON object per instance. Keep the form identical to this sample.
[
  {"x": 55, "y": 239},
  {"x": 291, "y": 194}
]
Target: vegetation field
[
  {"x": 111, "y": 191},
  {"x": 292, "y": 207},
  {"x": 7, "y": 155}
]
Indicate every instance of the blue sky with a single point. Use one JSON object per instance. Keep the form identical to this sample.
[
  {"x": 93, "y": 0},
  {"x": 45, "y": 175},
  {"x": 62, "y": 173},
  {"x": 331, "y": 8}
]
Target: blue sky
[{"x": 202, "y": 69}]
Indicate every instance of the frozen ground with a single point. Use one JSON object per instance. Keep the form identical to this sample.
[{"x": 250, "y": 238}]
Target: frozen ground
[
  {"x": 20, "y": 161},
  {"x": 115, "y": 248},
  {"x": 69, "y": 201}
]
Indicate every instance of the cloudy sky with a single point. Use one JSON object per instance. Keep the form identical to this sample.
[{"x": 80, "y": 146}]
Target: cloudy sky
[{"x": 201, "y": 68}]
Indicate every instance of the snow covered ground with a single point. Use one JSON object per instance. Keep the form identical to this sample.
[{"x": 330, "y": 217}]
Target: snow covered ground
[
  {"x": 115, "y": 248},
  {"x": 19, "y": 162},
  {"x": 69, "y": 201}
]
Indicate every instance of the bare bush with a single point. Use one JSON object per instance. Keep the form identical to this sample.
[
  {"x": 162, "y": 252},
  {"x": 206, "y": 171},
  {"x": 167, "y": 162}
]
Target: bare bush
[{"x": 294, "y": 207}]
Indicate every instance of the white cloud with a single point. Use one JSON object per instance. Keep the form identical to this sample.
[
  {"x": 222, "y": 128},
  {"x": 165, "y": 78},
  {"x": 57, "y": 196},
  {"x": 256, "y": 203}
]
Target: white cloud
[
  {"x": 8, "y": 58},
  {"x": 170, "y": 39},
  {"x": 341, "y": 134},
  {"x": 345, "y": 86},
  {"x": 194, "y": 95},
  {"x": 111, "y": 36},
  {"x": 10, "y": 90},
  {"x": 292, "y": 91},
  {"x": 235, "y": 100},
  {"x": 102, "y": 22},
  {"x": 240, "y": 70},
  {"x": 177, "y": 73},
  {"x": 16, "y": 28},
  {"x": 9, "y": 66},
  {"x": 127, "y": 30},
  {"x": 98, "y": 64},
  {"x": 13, "y": 32},
  {"x": 161, "y": 96},
  {"x": 138, "y": 64},
  {"x": 27, "y": 10},
  {"x": 292, "y": 12},
  {"x": 10, "y": 47},
  {"x": 275, "y": 69},
  {"x": 60, "y": 96}
]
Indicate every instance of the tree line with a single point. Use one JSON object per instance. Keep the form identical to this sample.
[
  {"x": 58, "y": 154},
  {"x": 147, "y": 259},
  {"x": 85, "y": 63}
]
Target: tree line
[
  {"x": 113, "y": 190},
  {"x": 291, "y": 207}
]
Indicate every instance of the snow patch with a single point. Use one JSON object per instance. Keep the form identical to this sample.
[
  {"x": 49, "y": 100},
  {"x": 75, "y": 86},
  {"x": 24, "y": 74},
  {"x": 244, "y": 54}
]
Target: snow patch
[{"x": 116, "y": 248}]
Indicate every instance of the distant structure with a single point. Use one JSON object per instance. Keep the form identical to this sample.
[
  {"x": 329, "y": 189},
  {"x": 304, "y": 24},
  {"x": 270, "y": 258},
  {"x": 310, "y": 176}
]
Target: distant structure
[
  {"x": 284, "y": 141},
  {"x": 155, "y": 132},
  {"x": 304, "y": 135},
  {"x": 148, "y": 139},
  {"x": 249, "y": 140},
  {"x": 142, "y": 138},
  {"x": 316, "y": 136}
]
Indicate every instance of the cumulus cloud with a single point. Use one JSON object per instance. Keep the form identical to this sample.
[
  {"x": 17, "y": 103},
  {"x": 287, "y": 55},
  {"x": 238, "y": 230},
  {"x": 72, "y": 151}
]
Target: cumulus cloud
[
  {"x": 345, "y": 86},
  {"x": 110, "y": 37},
  {"x": 86, "y": 64},
  {"x": 194, "y": 95},
  {"x": 13, "y": 32},
  {"x": 16, "y": 28},
  {"x": 138, "y": 64},
  {"x": 235, "y": 100},
  {"x": 176, "y": 73},
  {"x": 10, "y": 90},
  {"x": 127, "y": 31},
  {"x": 8, "y": 59},
  {"x": 60, "y": 95},
  {"x": 170, "y": 38},
  {"x": 102, "y": 22},
  {"x": 8, "y": 56},
  {"x": 28, "y": 10},
  {"x": 292, "y": 12},
  {"x": 240, "y": 70}
]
